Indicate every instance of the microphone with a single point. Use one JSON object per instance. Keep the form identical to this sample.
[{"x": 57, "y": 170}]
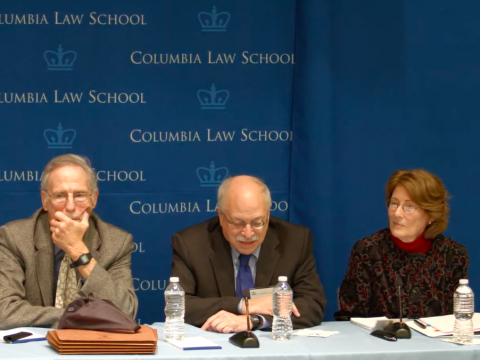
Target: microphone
[
  {"x": 398, "y": 285},
  {"x": 399, "y": 328},
  {"x": 245, "y": 339},
  {"x": 248, "y": 313}
]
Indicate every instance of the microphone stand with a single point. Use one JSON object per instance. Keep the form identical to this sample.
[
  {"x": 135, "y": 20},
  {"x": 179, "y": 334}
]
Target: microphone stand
[
  {"x": 245, "y": 339},
  {"x": 399, "y": 328}
]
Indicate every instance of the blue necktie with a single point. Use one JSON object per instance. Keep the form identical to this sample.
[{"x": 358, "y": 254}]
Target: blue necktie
[{"x": 244, "y": 275}]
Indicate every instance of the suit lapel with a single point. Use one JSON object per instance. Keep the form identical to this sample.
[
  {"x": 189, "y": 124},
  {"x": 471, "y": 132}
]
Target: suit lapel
[
  {"x": 267, "y": 260},
  {"x": 44, "y": 258},
  {"x": 222, "y": 263}
]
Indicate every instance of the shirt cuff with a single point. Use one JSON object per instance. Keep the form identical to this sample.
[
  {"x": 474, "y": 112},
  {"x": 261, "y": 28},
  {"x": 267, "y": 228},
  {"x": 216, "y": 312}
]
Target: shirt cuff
[
  {"x": 265, "y": 324},
  {"x": 239, "y": 307}
]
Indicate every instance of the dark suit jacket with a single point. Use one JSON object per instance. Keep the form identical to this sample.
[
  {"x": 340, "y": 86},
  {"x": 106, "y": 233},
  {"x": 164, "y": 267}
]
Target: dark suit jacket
[
  {"x": 202, "y": 260},
  {"x": 27, "y": 267}
]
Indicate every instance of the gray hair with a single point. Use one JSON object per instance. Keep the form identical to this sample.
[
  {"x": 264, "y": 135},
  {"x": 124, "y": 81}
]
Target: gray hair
[
  {"x": 225, "y": 186},
  {"x": 70, "y": 159}
]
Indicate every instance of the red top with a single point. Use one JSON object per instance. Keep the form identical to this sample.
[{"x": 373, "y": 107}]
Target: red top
[{"x": 419, "y": 246}]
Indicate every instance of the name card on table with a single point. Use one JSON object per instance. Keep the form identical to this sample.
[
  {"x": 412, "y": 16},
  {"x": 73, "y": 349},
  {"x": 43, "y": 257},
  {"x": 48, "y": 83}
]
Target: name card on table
[{"x": 259, "y": 292}]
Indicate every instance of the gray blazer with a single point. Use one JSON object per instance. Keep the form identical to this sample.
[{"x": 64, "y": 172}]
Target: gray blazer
[{"x": 27, "y": 270}]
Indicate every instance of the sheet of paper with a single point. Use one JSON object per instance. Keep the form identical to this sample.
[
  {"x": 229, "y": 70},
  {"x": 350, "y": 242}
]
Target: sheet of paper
[
  {"x": 195, "y": 343},
  {"x": 452, "y": 340},
  {"x": 445, "y": 323},
  {"x": 33, "y": 337},
  {"x": 429, "y": 331},
  {"x": 315, "y": 333}
]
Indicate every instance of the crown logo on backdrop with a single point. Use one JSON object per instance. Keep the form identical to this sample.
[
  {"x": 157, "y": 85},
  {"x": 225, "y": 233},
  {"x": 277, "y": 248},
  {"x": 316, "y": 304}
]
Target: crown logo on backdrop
[
  {"x": 214, "y": 21},
  {"x": 213, "y": 99},
  {"x": 60, "y": 60},
  {"x": 59, "y": 139},
  {"x": 212, "y": 176}
]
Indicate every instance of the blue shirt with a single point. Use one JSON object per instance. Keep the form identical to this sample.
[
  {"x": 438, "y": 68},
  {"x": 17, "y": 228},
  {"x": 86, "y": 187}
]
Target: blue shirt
[
  {"x": 252, "y": 263},
  {"x": 253, "y": 268}
]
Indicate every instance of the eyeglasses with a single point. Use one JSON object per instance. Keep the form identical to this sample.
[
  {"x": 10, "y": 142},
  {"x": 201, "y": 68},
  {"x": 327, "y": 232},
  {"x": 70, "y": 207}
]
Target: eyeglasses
[
  {"x": 408, "y": 207},
  {"x": 237, "y": 226},
  {"x": 60, "y": 198}
]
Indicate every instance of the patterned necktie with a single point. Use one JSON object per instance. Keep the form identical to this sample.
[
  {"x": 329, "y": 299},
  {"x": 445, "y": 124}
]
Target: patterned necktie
[
  {"x": 66, "y": 284},
  {"x": 244, "y": 275}
]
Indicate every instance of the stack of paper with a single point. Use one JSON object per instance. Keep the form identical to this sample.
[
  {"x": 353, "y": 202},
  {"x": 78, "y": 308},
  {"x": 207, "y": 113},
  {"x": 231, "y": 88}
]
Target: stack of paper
[
  {"x": 371, "y": 324},
  {"x": 72, "y": 341}
]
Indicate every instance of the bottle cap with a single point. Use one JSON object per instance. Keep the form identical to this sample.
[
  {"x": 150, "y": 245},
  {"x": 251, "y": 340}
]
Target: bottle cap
[
  {"x": 463, "y": 281},
  {"x": 174, "y": 279},
  {"x": 282, "y": 278}
]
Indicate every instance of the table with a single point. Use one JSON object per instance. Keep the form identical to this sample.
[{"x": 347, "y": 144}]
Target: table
[{"x": 353, "y": 342}]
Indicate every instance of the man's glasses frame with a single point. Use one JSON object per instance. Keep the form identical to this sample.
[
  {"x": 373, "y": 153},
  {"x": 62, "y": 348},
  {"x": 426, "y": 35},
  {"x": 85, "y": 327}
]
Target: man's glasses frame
[
  {"x": 240, "y": 226},
  {"x": 61, "y": 197}
]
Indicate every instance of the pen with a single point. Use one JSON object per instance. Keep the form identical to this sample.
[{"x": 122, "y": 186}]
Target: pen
[{"x": 422, "y": 325}]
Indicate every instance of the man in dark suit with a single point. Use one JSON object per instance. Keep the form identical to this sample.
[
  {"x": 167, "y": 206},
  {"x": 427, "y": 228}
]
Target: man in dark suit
[
  {"x": 62, "y": 250},
  {"x": 244, "y": 247}
]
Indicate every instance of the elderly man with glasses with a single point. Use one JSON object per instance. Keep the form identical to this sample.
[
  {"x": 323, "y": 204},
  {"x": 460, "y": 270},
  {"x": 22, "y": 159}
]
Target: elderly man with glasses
[
  {"x": 242, "y": 248},
  {"x": 63, "y": 251}
]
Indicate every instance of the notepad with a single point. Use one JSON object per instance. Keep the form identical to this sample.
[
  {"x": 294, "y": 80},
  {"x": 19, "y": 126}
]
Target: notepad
[
  {"x": 33, "y": 337},
  {"x": 195, "y": 343}
]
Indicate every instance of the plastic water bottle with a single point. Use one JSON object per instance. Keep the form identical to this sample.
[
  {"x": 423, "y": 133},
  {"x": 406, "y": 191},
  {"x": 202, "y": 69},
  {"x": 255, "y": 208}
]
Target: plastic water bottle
[
  {"x": 282, "y": 309},
  {"x": 463, "y": 309},
  {"x": 174, "y": 328}
]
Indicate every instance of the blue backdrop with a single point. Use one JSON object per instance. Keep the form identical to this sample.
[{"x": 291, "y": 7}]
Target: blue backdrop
[{"x": 323, "y": 99}]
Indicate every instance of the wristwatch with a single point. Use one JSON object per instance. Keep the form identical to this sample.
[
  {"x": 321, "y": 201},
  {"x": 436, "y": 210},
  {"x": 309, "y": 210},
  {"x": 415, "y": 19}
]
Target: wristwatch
[
  {"x": 84, "y": 259},
  {"x": 257, "y": 322}
]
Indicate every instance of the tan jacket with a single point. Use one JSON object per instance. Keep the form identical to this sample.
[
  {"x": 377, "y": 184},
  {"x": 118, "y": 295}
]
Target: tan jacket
[{"x": 27, "y": 270}]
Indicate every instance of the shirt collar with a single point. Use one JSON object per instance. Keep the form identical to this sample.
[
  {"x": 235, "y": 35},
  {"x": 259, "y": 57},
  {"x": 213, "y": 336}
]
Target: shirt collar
[{"x": 236, "y": 254}]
